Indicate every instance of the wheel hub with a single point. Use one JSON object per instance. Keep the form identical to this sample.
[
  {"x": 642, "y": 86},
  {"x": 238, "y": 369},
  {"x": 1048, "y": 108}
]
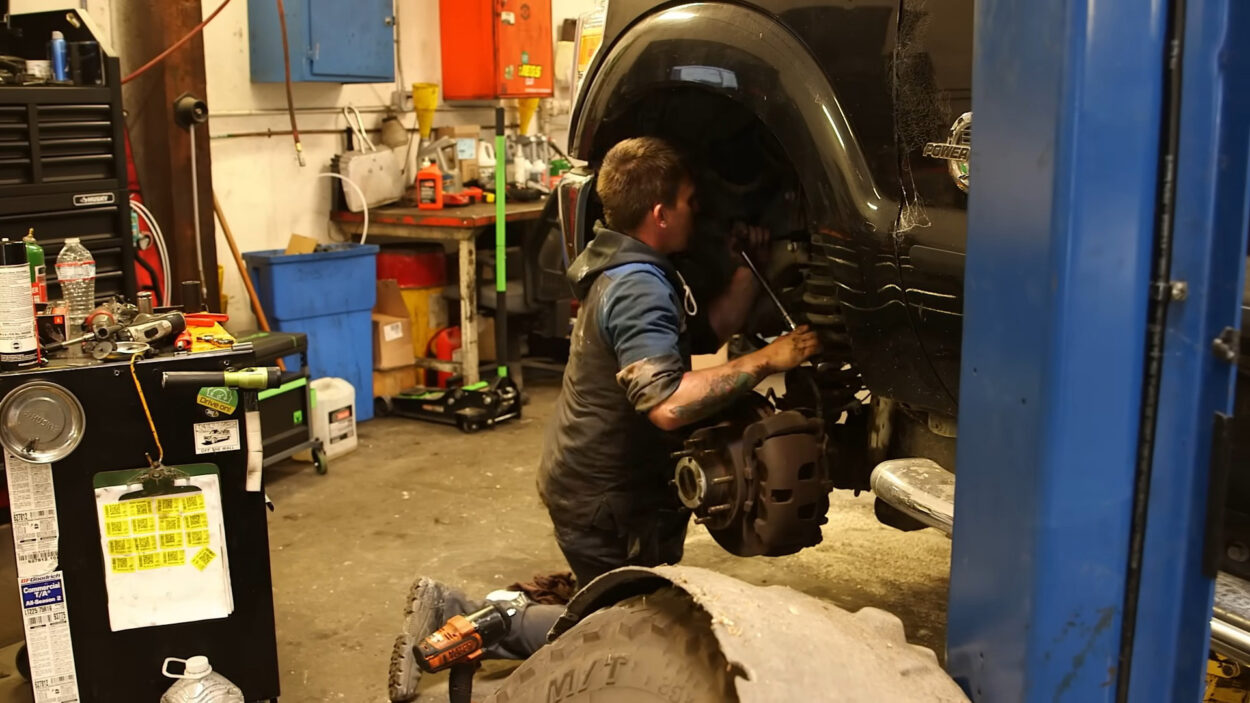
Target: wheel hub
[{"x": 758, "y": 482}]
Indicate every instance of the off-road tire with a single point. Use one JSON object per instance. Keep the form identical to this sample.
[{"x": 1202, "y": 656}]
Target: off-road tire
[{"x": 657, "y": 647}]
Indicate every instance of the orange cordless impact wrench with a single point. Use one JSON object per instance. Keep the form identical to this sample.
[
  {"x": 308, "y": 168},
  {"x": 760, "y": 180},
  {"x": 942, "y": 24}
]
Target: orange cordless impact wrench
[{"x": 461, "y": 642}]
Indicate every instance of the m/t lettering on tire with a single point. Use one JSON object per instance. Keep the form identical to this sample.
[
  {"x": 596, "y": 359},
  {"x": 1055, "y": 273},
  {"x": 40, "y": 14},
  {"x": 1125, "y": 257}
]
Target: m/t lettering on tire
[{"x": 571, "y": 683}]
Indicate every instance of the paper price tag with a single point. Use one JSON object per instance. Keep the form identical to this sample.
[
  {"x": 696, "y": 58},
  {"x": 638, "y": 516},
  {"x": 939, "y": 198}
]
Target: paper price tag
[
  {"x": 45, "y": 617},
  {"x": 33, "y": 505}
]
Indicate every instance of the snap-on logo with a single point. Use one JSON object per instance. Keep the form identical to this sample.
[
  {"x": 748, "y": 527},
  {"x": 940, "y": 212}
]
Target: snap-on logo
[{"x": 94, "y": 199}]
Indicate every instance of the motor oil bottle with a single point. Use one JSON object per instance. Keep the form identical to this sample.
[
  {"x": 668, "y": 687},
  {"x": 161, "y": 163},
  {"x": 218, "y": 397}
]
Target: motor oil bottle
[
  {"x": 430, "y": 187},
  {"x": 38, "y": 268},
  {"x": 198, "y": 683}
]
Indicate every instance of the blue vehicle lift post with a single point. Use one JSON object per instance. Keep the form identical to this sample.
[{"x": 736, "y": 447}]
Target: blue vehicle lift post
[{"x": 1106, "y": 245}]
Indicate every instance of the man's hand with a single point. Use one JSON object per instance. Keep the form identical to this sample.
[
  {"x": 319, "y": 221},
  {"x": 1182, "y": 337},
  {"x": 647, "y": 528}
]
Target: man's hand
[
  {"x": 792, "y": 349},
  {"x": 755, "y": 241},
  {"x": 705, "y": 392}
]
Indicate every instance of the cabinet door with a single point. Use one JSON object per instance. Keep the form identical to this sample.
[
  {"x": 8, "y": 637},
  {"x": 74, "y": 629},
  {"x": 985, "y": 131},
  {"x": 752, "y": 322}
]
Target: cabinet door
[
  {"x": 353, "y": 41},
  {"x": 523, "y": 43}
]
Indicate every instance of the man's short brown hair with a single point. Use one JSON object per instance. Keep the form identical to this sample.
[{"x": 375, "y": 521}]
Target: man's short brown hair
[{"x": 636, "y": 175}]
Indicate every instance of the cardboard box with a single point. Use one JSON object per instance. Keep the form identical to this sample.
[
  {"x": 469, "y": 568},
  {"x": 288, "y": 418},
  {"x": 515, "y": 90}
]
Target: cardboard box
[
  {"x": 299, "y": 244},
  {"x": 392, "y": 382},
  {"x": 485, "y": 339},
  {"x": 485, "y": 342},
  {"x": 392, "y": 328},
  {"x": 467, "y": 137}
]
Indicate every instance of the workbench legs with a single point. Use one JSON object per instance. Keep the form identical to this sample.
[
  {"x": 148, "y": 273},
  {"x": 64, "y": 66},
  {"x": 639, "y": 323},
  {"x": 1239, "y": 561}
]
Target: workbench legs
[{"x": 468, "y": 312}]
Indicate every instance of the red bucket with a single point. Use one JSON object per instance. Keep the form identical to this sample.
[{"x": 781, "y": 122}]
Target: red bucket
[{"x": 413, "y": 268}]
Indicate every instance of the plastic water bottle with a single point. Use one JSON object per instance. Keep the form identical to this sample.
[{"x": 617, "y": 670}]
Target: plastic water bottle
[
  {"x": 198, "y": 683},
  {"x": 75, "y": 271}
]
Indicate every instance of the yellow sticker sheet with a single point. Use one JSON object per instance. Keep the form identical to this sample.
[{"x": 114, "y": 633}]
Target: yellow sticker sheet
[
  {"x": 164, "y": 557},
  {"x": 157, "y": 533}
]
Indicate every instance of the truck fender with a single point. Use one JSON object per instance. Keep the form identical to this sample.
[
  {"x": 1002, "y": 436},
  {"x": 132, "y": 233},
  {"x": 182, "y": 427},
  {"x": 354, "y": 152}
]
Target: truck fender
[
  {"x": 752, "y": 59},
  {"x": 786, "y": 645}
]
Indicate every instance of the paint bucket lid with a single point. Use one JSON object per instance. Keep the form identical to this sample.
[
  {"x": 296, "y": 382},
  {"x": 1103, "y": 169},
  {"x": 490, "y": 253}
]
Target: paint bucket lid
[{"x": 41, "y": 422}]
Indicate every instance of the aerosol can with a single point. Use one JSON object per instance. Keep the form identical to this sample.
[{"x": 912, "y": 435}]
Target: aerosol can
[
  {"x": 38, "y": 268},
  {"x": 19, "y": 345}
]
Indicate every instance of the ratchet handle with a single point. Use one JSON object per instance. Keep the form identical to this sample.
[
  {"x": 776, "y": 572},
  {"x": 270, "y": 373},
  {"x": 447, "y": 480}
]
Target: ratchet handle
[
  {"x": 254, "y": 379},
  {"x": 768, "y": 289}
]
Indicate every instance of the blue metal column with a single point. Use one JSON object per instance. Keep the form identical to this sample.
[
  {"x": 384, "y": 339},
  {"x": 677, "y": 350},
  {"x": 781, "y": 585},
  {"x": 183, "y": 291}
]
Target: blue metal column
[
  {"x": 1169, "y": 646},
  {"x": 1068, "y": 104}
]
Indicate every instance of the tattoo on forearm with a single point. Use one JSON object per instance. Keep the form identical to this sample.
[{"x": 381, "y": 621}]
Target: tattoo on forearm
[{"x": 721, "y": 392}]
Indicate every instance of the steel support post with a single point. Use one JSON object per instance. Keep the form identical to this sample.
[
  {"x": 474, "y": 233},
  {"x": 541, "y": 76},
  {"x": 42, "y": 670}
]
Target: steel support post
[{"x": 1069, "y": 100}]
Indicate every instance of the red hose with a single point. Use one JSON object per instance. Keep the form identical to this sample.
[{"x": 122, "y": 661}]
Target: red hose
[
  {"x": 176, "y": 45},
  {"x": 290, "y": 100}
]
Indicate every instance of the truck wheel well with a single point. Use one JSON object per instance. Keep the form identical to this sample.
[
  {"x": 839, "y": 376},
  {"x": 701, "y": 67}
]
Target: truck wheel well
[{"x": 731, "y": 151}]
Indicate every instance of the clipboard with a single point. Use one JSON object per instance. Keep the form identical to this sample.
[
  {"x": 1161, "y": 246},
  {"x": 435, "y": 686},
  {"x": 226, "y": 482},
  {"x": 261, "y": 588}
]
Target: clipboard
[{"x": 163, "y": 546}]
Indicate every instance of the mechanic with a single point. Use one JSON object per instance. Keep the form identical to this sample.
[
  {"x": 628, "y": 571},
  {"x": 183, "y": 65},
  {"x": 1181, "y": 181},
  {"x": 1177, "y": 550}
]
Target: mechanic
[{"x": 606, "y": 464}]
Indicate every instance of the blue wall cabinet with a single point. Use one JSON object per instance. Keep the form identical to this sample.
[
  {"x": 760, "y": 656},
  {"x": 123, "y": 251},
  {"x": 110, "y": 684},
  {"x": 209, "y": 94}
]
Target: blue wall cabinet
[{"x": 331, "y": 40}]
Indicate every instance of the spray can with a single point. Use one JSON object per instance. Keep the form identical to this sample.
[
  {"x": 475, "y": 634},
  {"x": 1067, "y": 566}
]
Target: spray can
[
  {"x": 38, "y": 269},
  {"x": 59, "y": 56},
  {"x": 19, "y": 345}
]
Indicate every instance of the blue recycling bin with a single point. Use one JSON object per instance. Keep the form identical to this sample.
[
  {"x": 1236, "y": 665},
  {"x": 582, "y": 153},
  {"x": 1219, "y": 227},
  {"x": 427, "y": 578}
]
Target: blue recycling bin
[{"x": 329, "y": 296}]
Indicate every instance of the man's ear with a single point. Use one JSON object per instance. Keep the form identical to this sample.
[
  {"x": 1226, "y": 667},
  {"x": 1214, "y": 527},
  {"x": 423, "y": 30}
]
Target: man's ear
[{"x": 657, "y": 211}]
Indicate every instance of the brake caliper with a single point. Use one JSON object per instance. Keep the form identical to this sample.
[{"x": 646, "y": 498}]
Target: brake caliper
[{"x": 759, "y": 484}]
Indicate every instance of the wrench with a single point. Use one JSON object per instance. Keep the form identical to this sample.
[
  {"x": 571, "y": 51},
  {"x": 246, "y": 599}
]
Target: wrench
[{"x": 768, "y": 289}]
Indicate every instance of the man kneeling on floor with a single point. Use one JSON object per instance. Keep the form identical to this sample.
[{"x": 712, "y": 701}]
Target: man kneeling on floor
[{"x": 606, "y": 463}]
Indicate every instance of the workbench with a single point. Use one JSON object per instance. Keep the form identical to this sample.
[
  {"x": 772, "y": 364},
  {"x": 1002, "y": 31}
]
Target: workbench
[{"x": 450, "y": 226}]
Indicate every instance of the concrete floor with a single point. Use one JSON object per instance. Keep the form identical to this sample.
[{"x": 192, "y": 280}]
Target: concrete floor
[{"x": 420, "y": 499}]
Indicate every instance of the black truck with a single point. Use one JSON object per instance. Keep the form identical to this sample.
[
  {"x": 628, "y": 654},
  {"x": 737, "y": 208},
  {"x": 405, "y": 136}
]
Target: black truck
[{"x": 845, "y": 127}]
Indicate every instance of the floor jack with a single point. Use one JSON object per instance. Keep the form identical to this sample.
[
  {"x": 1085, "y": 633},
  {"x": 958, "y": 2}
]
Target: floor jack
[
  {"x": 486, "y": 403},
  {"x": 471, "y": 408}
]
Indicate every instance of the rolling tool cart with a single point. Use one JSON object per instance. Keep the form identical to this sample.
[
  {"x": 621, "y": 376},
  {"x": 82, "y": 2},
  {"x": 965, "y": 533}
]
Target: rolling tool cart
[
  {"x": 286, "y": 410},
  {"x": 140, "y": 525}
]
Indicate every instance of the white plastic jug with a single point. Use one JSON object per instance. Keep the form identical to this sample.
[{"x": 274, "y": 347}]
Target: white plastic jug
[
  {"x": 486, "y": 160},
  {"x": 334, "y": 415},
  {"x": 198, "y": 683}
]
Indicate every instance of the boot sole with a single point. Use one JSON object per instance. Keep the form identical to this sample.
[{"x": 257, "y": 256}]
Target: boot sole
[
  {"x": 422, "y": 616},
  {"x": 404, "y": 674},
  {"x": 423, "y": 613}
]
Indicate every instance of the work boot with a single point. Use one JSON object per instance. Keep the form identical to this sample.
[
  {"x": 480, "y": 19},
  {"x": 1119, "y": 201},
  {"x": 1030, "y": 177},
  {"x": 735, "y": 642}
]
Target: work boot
[
  {"x": 424, "y": 612},
  {"x": 431, "y": 603}
]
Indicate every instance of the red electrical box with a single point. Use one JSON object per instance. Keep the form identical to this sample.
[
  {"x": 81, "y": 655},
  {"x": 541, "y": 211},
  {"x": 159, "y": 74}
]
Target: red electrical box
[{"x": 496, "y": 49}]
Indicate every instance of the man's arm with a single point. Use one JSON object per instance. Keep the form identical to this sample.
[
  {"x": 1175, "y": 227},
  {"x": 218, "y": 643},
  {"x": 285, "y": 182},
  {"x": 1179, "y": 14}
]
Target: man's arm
[
  {"x": 728, "y": 313},
  {"x": 706, "y": 392}
]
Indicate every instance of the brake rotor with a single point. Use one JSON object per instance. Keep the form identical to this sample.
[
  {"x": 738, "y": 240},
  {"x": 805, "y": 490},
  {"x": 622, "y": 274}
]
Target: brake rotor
[{"x": 757, "y": 481}]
